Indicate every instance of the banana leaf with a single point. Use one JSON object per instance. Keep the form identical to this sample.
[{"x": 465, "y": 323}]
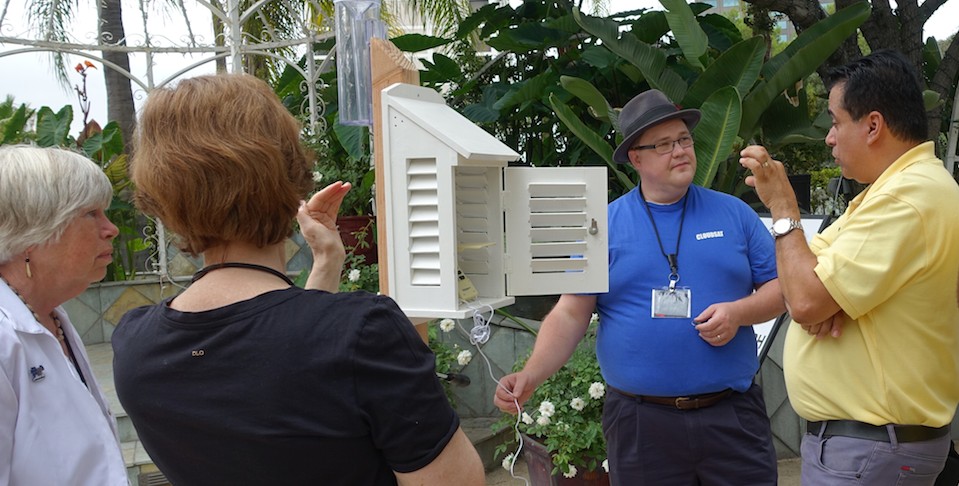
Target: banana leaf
[
  {"x": 592, "y": 139},
  {"x": 739, "y": 66},
  {"x": 650, "y": 60},
  {"x": 584, "y": 90},
  {"x": 716, "y": 132},
  {"x": 800, "y": 59},
  {"x": 689, "y": 35}
]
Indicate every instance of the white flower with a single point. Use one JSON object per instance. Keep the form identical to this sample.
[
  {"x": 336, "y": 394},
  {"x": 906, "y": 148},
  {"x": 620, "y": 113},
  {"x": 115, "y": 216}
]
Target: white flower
[
  {"x": 546, "y": 408},
  {"x": 577, "y": 403},
  {"x": 527, "y": 419},
  {"x": 464, "y": 357},
  {"x": 597, "y": 390},
  {"x": 606, "y": 465},
  {"x": 572, "y": 472},
  {"x": 447, "y": 325},
  {"x": 508, "y": 461},
  {"x": 317, "y": 177},
  {"x": 542, "y": 420},
  {"x": 593, "y": 319},
  {"x": 354, "y": 275}
]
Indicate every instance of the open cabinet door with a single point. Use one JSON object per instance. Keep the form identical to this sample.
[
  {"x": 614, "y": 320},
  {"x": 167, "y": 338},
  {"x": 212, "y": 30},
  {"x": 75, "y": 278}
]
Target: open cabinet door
[{"x": 556, "y": 239}]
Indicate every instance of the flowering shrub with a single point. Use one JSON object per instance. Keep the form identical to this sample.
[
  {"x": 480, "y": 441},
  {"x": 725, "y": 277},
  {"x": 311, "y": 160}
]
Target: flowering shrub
[
  {"x": 357, "y": 275},
  {"x": 565, "y": 412},
  {"x": 449, "y": 359}
]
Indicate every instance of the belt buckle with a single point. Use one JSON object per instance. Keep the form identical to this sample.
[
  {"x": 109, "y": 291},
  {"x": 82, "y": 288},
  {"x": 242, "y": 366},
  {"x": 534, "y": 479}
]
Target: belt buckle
[{"x": 680, "y": 401}]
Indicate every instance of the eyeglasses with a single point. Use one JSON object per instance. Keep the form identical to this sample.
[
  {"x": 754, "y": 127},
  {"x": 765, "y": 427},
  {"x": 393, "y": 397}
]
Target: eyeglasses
[{"x": 664, "y": 148}]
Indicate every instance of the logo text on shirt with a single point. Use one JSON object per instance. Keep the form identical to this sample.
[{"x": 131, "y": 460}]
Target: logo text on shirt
[{"x": 709, "y": 234}]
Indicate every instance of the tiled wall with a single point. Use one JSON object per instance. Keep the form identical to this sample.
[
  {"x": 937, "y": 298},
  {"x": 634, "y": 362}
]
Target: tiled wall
[{"x": 96, "y": 312}]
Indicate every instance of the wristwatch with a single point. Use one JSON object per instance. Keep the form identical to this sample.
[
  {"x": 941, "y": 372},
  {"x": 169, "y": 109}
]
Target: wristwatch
[{"x": 783, "y": 226}]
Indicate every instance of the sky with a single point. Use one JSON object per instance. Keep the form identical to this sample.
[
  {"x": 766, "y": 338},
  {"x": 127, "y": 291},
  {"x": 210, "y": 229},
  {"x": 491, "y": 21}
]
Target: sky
[{"x": 30, "y": 77}]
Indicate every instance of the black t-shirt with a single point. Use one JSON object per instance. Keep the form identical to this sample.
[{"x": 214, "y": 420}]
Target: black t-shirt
[{"x": 291, "y": 387}]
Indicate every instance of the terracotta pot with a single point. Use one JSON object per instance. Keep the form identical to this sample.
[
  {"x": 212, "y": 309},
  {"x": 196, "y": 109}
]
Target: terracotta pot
[
  {"x": 540, "y": 465},
  {"x": 352, "y": 226}
]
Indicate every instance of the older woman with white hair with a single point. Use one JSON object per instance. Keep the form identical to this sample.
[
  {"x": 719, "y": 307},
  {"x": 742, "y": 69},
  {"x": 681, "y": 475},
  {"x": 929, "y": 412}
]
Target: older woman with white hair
[{"x": 55, "y": 424}]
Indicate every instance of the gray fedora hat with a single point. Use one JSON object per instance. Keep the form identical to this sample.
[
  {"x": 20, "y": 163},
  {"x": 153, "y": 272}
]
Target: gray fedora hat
[{"x": 645, "y": 110}]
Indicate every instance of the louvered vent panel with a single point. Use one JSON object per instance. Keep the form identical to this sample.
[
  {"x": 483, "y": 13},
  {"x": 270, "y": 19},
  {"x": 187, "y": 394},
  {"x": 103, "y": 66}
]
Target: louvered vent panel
[
  {"x": 472, "y": 219},
  {"x": 422, "y": 199},
  {"x": 558, "y": 224}
]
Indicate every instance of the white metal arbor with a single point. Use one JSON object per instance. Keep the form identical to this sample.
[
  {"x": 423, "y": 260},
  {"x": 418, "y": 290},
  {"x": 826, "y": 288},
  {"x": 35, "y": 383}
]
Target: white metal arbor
[{"x": 289, "y": 45}]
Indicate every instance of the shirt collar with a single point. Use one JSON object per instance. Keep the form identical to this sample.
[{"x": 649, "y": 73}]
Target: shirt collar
[
  {"x": 924, "y": 152},
  {"x": 17, "y": 312}
]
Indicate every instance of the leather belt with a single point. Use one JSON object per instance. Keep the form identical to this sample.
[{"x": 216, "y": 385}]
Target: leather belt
[
  {"x": 862, "y": 430},
  {"x": 691, "y": 402}
]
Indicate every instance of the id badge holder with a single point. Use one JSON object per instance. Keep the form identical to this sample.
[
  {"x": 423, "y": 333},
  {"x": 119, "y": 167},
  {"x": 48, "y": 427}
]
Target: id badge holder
[{"x": 671, "y": 301}]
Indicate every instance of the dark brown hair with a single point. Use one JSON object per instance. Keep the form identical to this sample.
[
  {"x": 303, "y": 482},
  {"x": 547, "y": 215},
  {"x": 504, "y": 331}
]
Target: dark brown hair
[{"x": 218, "y": 159}]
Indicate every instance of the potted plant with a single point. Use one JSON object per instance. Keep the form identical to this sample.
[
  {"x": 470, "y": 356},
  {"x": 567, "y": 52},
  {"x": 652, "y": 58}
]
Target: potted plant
[{"x": 561, "y": 424}]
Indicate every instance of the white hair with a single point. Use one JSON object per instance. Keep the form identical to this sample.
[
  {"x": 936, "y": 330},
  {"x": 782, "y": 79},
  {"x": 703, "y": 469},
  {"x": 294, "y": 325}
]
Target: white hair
[{"x": 41, "y": 191}]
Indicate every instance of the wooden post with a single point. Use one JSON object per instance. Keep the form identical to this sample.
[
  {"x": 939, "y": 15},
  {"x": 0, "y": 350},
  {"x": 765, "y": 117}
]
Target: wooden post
[{"x": 388, "y": 66}]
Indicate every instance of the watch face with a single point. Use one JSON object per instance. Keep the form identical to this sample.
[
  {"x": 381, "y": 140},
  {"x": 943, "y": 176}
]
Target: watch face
[{"x": 781, "y": 226}]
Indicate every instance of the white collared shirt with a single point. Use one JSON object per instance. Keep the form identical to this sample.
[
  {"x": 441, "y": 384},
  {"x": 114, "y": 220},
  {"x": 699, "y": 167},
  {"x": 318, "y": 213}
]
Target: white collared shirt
[{"x": 53, "y": 429}]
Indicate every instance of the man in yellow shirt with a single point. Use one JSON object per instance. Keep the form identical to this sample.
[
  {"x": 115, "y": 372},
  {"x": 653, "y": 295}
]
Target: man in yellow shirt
[{"x": 873, "y": 361}]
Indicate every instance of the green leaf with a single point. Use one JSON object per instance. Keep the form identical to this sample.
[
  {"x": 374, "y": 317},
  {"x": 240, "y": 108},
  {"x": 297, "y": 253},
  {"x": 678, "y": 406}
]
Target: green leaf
[
  {"x": 739, "y": 66},
  {"x": 14, "y": 125},
  {"x": 931, "y": 99},
  {"x": 478, "y": 113},
  {"x": 353, "y": 139},
  {"x": 716, "y": 133},
  {"x": 585, "y": 91},
  {"x": 814, "y": 46},
  {"x": 650, "y": 60},
  {"x": 594, "y": 140},
  {"x": 440, "y": 70},
  {"x": 722, "y": 33},
  {"x": 599, "y": 57},
  {"x": 53, "y": 129},
  {"x": 477, "y": 18},
  {"x": 786, "y": 120},
  {"x": 527, "y": 36},
  {"x": 689, "y": 35},
  {"x": 104, "y": 146},
  {"x": 650, "y": 27},
  {"x": 418, "y": 42},
  {"x": 529, "y": 90}
]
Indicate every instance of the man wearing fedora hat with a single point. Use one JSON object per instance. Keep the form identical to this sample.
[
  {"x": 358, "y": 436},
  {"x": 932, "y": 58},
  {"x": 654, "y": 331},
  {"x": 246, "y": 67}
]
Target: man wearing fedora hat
[{"x": 690, "y": 271}]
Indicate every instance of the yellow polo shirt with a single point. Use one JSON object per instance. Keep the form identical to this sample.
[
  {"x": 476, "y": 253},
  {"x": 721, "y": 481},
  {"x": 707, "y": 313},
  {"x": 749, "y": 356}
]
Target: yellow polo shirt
[{"x": 891, "y": 261}]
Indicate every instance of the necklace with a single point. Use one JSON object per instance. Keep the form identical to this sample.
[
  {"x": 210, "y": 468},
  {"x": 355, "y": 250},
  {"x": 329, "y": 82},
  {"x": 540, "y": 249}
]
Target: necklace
[
  {"x": 249, "y": 266},
  {"x": 56, "y": 320}
]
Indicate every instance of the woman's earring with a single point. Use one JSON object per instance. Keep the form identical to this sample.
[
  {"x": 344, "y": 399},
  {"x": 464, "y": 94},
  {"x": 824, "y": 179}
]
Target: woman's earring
[{"x": 29, "y": 273}]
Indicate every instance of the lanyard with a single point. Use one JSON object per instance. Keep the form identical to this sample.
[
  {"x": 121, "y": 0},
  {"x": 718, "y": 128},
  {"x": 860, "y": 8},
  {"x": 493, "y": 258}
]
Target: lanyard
[{"x": 672, "y": 258}]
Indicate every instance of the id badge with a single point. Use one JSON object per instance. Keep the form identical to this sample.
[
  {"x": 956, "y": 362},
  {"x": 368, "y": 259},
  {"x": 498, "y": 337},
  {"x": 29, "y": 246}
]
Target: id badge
[{"x": 671, "y": 302}]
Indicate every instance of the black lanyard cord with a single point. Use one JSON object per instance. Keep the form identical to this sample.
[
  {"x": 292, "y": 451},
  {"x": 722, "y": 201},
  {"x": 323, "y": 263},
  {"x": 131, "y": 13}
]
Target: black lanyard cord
[{"x": 673, "y": 258}]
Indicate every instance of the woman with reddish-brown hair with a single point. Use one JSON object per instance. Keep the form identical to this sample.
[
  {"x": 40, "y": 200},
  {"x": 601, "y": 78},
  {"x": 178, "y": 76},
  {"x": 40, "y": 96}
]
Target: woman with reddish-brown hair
[{"x": 244, "y": 378}]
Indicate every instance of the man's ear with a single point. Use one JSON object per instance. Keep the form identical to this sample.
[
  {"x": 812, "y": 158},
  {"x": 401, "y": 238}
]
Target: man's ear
[{"x": 875, "y": 126}]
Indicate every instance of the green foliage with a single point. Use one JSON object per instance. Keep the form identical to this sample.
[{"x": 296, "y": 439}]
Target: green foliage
[
  {"x": 103, "y": 146},
  {"x": 447, "y": 357},
  {"x": 677, "y": 69},
  {"x": 342, "y": 152},
  {"x": 13, "y": 121},
  {"x": 565, "y": 412},
  {"x": 552, "y": 91}
]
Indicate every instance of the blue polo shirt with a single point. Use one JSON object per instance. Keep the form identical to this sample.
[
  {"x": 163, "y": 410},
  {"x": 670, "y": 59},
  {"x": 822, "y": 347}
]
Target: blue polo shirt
[{"x": 724, "y": 253}]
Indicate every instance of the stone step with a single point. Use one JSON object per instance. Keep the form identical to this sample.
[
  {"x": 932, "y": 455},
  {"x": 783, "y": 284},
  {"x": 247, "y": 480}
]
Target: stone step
[
  {"x": 140, "y": 468},
  {"x": 486, "y": 439}
]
